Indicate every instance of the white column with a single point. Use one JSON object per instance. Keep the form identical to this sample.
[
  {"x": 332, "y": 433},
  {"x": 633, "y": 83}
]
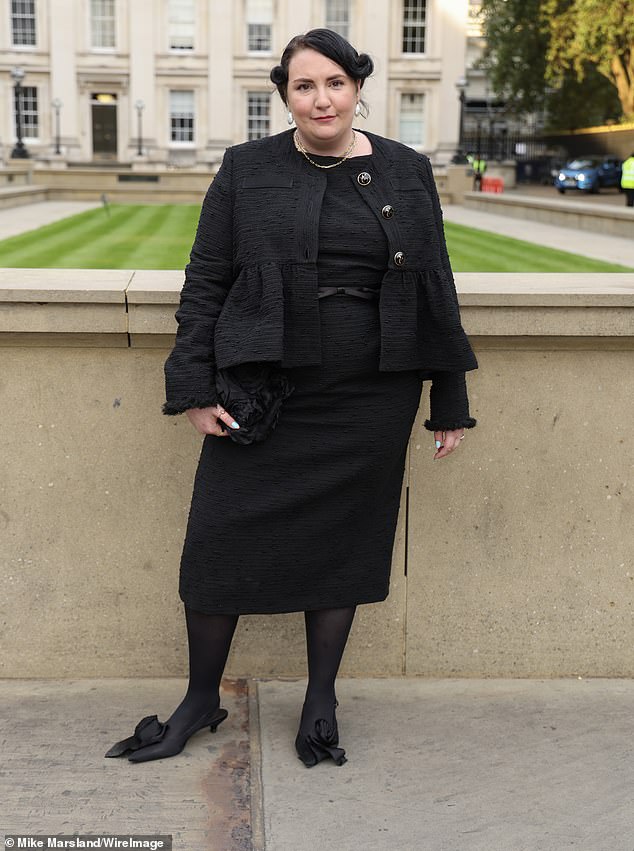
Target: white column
[
  {"x": 372, "y": 35},
  {"x": 452, "y": 18},
  {"x": 63, "y": 46},
  {"x": 220, "y": 79},
  {"x": 295, "y": 19},
  {"x": 142, "y": 28}
]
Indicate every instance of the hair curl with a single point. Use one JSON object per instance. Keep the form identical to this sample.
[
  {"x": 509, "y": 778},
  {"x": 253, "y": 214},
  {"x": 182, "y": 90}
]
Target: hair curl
[{"x": 330, "y": 44}]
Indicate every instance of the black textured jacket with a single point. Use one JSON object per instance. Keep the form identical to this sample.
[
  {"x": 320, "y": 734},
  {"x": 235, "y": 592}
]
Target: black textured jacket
[{"x": 250, "y": 291}]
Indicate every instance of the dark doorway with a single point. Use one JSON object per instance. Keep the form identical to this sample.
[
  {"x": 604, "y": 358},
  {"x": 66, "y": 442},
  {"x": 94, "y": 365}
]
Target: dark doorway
[{"x": 104, "y": 126}]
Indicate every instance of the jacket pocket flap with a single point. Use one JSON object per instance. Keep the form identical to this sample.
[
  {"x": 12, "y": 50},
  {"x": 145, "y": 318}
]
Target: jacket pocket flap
[
  {"x": 410, "y": 184},
  {"x": 266, "y": 181}
]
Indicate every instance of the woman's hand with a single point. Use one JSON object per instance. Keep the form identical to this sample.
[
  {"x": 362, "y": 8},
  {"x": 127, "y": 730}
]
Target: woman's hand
[
  {"x": 206, "y": 420},
  {"x": 448, "y": 441}
]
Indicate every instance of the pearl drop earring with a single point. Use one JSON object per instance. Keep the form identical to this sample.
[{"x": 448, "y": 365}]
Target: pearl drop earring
[
  {"x": 290, "y": 118},
  {"x": 357, "y": 109}
]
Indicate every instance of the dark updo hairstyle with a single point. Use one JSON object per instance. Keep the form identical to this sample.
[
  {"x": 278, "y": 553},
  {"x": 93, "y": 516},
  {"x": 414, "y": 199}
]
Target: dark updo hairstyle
[{"x": 329, "y": 43}]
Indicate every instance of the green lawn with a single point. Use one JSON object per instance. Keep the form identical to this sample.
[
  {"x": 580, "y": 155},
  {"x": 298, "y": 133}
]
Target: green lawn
[
  {"x": 474, "y": 250},
  {"x": 160, "y": 237},
  {"x": 131, "y": 237}
]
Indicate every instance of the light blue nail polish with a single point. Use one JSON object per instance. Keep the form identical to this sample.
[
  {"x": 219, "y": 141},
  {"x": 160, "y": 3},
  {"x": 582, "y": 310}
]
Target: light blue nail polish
[
  {"x": 438, "y": 444},
  {"x": 234, "y": 424}
]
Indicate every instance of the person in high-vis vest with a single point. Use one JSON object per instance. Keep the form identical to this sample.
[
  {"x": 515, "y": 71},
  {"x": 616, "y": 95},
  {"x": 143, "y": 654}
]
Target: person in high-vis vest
[
  {"x": 627, "y": 180},
  {"x": 479, "y": 166}
]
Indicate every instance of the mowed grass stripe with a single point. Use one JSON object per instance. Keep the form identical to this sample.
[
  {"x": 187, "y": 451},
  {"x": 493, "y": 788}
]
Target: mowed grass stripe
[
  {"x": 116, "y": 246},
  {"x": 100, "y": 249},
  {"x": 55, "y": 245},
  {"x": 167, "y": 239},
  {"x": 41, "y": 247},
  {"x": 98, "y": 241},
  {"x": 473, "y": 250}
]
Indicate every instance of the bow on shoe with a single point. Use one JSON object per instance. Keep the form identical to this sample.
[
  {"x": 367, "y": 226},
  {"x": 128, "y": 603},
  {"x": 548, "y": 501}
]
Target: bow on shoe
[
  {"x": 148, "y": 731},
  {"x": 319, "y": 746}
]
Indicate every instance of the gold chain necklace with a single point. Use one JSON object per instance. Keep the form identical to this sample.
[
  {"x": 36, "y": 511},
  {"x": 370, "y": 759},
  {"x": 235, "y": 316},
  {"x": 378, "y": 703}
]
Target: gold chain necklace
[{"x": 303, "y": 151}]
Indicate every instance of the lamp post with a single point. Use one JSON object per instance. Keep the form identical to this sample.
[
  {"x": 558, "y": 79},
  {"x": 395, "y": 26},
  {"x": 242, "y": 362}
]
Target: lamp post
[
  {"x": 461, "y": 85},
  {"x": 19, "y": 152},
  {"x": 504, "y": 132},
  {"x": 139, "y": 106},
  {"x": 57, "y": 105}
]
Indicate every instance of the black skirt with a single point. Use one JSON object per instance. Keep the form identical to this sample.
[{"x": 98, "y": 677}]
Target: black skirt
[{"x": 306, "y": 519}]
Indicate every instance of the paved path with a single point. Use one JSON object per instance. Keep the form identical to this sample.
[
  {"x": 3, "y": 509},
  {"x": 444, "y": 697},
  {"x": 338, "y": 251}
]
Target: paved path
[
  {"x": 16, "y": 220},
  {"x": 433, "y": 765},
  {"x": 612, "y": 249}
]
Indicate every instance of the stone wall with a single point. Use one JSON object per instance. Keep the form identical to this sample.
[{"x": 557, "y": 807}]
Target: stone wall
[
  {"x": 580, "y": 215},
  {"x": 514, "y": 557}
]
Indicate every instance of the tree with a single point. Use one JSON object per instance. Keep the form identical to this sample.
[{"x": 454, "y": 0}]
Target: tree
[
  {"x": 515, "y": 52},
  {"x": 573, "y": 103},
  {"x": 520, "y": 60},
  {"x": 595, "y": 33}
]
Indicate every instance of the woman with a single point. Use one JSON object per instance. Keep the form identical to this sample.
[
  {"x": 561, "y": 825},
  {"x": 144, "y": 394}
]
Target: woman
[{"x": 320, "y": 252}]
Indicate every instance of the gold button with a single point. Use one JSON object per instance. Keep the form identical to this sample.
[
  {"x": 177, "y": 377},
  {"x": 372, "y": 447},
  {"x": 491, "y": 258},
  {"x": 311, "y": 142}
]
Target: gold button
[
  {"x": 399, "y": 258},
  {"x": 364, "y": 178},
  {"x": 387, "y": 212}
]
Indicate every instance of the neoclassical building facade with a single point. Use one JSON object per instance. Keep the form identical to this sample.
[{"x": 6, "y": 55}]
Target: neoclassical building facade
[{"x": 176, "y": 81}]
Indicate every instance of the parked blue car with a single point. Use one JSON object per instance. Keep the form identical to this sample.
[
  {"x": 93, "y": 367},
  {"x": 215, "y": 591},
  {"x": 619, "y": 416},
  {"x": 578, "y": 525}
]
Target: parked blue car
[{"x": 590, "y": 174}]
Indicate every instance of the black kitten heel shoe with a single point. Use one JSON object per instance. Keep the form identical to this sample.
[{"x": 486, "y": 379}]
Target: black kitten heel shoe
[
  {"x": 321, "y": 743},
  {"x": 151, "y": 731}
]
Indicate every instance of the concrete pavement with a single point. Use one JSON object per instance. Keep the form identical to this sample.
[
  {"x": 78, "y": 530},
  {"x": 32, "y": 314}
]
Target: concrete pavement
[
  {"x": 16, "y": 220},
  {"x": 433, "y": 765}
]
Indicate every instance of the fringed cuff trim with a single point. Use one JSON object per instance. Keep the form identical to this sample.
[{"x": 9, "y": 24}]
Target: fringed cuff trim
[
  {"x": 443, "y": 425},
  {"x": 173, "y": 408}
]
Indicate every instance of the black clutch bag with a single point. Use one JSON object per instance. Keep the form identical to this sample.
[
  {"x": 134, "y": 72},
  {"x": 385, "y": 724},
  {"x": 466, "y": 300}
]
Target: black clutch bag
[{"x": 253, "y": 394}]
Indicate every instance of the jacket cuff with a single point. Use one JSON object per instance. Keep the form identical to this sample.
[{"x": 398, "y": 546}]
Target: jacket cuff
[
  {"x": 449, "y": 403},
  {"x": 445, "y": 425},
  {"x": 182, "y": 405}
]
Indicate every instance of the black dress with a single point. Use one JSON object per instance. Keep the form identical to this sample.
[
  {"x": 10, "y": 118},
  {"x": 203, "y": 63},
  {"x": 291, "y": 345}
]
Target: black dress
[{"x": 306, "y": 518}]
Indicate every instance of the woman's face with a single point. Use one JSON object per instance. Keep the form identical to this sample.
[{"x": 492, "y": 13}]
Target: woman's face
[{"x": 322, "y": 98}]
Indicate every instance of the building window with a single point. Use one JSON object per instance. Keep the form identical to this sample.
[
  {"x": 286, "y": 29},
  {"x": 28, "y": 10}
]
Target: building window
[
  {"x": 28, "y": 109},
  {"x": 414, "y": 26},
  {"x": 181, "y": 24},
  {"x": 474, "y": 21},
  {"x": 23, "y": 22},
  {"x": 338, "y": 16},
  {"x": 182, "y": 116},
  {"x": 258, "y": 115},
  {"x": 412, "y": 120},
  {"x": 259, "y": 25},
  {"x": 102, "y": 23}
]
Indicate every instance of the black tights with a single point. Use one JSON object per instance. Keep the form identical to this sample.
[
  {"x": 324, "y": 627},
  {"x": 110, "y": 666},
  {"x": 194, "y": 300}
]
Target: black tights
[
  {"x": 209, "y": 640},
  {"x": 327, "y": 631}
]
